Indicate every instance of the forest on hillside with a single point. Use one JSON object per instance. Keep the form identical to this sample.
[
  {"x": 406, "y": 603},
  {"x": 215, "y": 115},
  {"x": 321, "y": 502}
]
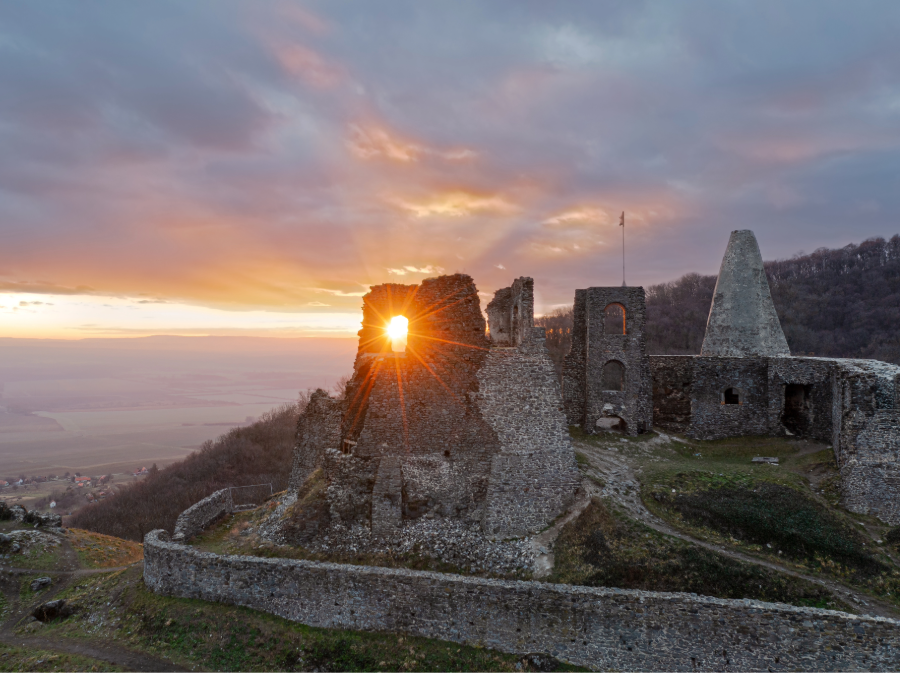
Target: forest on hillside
[{"x": 832, "y": 303}]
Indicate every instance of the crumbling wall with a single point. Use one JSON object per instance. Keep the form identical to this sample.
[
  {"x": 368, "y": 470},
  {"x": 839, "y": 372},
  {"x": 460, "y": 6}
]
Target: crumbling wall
[
  {"x": 318, "y": 429},
  {"x": 813, "y": 378},
  {"x": 593, "y": 349},
  {"x": 600, "y": 628},
  {"x": 198, "y": 516},
  {"x": 351, "y": 481},
  {"x": 868, "y": 446},
  {"x": 534, "y": 477},
  {"x": 673, "y": 377},
  {"x": 511, "y": 313},
  {"x": 573, "y": 378}
]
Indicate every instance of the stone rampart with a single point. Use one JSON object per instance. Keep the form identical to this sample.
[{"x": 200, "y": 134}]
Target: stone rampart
[
  {"x": 197, "y": 517},
  {"x": 596, "y": 627}
]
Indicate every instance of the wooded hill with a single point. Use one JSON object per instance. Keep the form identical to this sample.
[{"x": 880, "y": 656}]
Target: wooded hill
[{"x": 832, "y": 303}]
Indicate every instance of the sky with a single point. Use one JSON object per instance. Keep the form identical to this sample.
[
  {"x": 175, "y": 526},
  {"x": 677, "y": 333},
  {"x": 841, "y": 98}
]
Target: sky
[{"x": 251, "y": 168}]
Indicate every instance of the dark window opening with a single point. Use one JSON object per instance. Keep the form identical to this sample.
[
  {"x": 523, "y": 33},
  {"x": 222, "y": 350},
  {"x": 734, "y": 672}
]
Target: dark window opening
[
  {"x": 614, "y": 319},
  {"x": 732, "y": 396},
  {"x": 447, "y": 453},
  {"x": 613, "y": 376}
]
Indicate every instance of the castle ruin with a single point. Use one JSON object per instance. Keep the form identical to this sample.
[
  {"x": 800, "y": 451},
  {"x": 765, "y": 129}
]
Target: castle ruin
[{"x": 459, "y": 424}]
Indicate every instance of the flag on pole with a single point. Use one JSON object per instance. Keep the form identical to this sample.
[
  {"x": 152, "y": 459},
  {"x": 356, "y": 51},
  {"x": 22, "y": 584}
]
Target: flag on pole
[{"x": 622, "y": 220}]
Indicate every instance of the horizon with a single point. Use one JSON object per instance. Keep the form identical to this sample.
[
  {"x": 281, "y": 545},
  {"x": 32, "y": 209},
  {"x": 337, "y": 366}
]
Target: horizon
[{"x": 267, "y": 165}]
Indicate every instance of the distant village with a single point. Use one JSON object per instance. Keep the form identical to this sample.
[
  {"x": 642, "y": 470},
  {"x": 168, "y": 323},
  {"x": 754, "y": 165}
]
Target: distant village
[{"x": 95, "y": 487}]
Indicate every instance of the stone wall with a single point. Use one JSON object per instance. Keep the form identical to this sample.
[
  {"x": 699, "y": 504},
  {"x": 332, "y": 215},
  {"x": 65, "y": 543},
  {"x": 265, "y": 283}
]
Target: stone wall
[
  {"x": 595, "y": 627},
  {"x": 197, "y": 517},
  {"x": 318, "y": 429},
  {"x": 534, "y": 476},
  {"x": 591, "y": 403},
  {"x": 511, "y": 313},
  {"x": 711, "y": 417},
  {"x": 673, "y": 377}
]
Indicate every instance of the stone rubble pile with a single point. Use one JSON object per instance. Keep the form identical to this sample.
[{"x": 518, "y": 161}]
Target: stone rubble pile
[{"x": 449, "y": 540}]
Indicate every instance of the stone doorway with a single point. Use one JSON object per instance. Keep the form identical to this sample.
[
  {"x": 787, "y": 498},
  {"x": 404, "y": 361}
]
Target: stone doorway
[{"x": 797, "y": 415}]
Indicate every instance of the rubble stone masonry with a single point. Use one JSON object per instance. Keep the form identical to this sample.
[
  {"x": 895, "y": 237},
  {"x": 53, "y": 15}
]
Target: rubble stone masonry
[{"x": 601, "y": 628}]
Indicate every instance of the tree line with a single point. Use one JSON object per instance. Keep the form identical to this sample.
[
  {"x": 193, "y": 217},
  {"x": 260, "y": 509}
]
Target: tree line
[{"x": 832, "y": 303}]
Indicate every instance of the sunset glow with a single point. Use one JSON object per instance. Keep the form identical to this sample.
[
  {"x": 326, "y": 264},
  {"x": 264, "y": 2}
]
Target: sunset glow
[
  {"x": 397, "y": 330},
  {"x": 275, "y": 160}
]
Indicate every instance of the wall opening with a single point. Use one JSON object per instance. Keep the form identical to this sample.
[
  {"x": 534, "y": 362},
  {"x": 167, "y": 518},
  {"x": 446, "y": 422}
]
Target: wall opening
[
  {"x": 614, "y": 319},
  {"x": 613, "y": 376},
  {"x": 731, "y": 396},
  {"x": 797, "y": 414},
  {"x": 612, "y": 424},
  {"x": 396, "y": 330}
]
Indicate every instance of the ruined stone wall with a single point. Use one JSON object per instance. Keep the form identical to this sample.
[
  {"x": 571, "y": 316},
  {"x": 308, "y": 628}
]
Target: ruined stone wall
[
  {"x": 198, "y": 516},
  {"x": 672, "y": 376},
  {"x": 595, "y": 627},
  {"x": 419, "y": 402},
  {"x": 814, "y": 377},
  {"x": 593, "y": 348},
  {"x": 534, "y": 477},
  {"x": 870, "y": 470},
  {"x": 711, "y": 417},
  {"x": 573, "y": 376},
  {"x": 511, "y": 313},
  {"x": 868, "y": 446},
  {"x": 318, "y": 429}
]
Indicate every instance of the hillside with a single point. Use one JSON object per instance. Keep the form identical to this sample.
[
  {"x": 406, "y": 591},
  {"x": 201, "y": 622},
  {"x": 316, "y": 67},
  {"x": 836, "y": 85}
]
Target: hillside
[
  {"x": 109, "y": 621},
  {"x": 256, "y": 454},
  {"x": 833, "y": 303}
]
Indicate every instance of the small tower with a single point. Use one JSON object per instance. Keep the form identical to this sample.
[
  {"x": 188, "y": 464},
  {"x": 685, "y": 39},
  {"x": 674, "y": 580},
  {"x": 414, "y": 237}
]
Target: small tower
[
  {"x": 606, "y": 376},
  {"x": 742, "y": 320}
]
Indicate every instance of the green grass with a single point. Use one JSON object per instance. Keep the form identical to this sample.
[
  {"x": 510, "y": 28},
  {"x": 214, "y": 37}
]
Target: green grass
[
  {"x": 605, "y": 548},
  {"x": 768, "y": 511},
  {"x": 222, "y": 637},
  {"x": 31, "y": 659}
]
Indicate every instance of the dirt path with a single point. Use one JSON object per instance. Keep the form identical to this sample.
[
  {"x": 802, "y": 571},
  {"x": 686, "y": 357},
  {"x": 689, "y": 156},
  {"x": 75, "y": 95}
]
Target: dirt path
[
  {"x": 100, "y": 649},
  {"x": 614, "y": 468},
  {"x": 97, "y": 649}
]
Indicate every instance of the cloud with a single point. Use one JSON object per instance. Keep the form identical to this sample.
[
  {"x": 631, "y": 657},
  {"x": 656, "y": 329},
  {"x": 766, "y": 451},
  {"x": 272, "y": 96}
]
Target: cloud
[
  {"x": 40, "y": 287},
  {"x": 456, "y": 204},
  {"x": 274, "y": 155},
  {"x": 413, "y": 269},
  {"x": 35, "y": 303},
  {"x": 373, "y": 142}
]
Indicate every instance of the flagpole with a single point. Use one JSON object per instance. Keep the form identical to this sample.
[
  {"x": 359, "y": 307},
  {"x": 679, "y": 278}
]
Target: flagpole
[{"x": 622, "y": 224}]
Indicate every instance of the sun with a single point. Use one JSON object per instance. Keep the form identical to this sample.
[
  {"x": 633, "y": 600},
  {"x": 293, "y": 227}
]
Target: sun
[{"x": 397, "y": 330}]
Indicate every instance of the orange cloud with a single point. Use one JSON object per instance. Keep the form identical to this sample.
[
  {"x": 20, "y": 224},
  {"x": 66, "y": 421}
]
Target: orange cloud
[
  {"x": 372, "y": 142},
  {"x": 456, "y": 204}
]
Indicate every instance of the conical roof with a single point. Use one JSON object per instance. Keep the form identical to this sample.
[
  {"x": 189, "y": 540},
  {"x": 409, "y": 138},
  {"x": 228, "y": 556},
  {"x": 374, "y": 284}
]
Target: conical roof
[{"x": 742, "y": 320}]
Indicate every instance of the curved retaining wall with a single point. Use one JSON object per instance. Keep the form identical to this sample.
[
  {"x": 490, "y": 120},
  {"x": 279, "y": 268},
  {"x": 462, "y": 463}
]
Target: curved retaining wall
[{"x": 595, "y": 627}]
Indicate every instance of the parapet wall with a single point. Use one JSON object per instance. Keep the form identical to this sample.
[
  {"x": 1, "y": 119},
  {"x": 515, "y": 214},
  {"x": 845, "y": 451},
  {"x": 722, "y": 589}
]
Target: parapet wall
[
  {"x": 596, "y": 627},
  {"x": 197, "y": 517}
]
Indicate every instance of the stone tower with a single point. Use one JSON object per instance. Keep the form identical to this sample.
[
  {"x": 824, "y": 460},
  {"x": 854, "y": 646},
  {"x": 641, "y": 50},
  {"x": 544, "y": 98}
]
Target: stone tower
[
  {"x": 606, "y": 375},
  {"x": 742, "y": 320}
]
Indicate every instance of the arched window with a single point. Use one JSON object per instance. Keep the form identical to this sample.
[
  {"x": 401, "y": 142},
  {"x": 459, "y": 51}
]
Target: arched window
[
  {"x": 731, "y": 396},
  {"x": 614, "y": 319},
  {"x": 613, "y": 375}
]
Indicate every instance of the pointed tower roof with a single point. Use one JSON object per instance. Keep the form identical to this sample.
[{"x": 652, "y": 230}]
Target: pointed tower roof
[{"x": 742, "y": 320}]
